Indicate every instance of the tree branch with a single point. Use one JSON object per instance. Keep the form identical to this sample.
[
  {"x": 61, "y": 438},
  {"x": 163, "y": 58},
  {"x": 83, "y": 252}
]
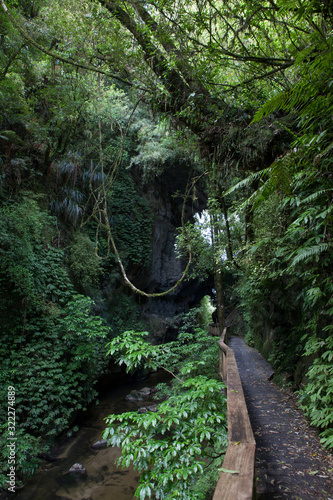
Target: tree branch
[
  {"x": 171, "y": 78},
  {"x": 180, "y": 380},
  {"x": 270, "y": 61},
  {"x": 10, "y": 61},
  {"x": 56, "y": 55}
]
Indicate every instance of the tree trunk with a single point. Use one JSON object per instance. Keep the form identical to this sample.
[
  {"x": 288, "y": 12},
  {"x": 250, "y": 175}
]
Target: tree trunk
[
  {"x": 219, "y": 297},
  {"x": 218, "y": 283}
]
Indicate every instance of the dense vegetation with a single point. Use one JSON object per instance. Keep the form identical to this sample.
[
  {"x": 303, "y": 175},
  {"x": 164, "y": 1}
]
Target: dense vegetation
[
  {"x": 186, "y": 437},
  {"x": 99, "y": 99}
]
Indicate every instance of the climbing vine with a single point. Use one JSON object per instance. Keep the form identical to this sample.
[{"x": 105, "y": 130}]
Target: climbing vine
[{"x": 99, "y": 197}]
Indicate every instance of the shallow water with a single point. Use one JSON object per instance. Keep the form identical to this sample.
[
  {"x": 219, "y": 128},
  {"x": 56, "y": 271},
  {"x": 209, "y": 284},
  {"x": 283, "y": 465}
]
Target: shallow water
[{"x": 103, "y": 481}]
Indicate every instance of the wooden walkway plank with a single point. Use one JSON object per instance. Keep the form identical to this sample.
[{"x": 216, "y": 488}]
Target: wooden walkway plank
[
  {"x": 236, "y": 480},
  {"x": 237, "y": 486}
]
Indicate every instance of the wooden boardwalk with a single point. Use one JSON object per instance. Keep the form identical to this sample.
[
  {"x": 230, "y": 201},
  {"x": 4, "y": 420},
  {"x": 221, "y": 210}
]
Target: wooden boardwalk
[
  {"x": 290, "y": 463},
  {"x": 236, "y": 480}
]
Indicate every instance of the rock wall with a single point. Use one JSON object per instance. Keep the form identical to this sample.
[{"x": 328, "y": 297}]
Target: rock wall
[{"x": 165, "y": 268}]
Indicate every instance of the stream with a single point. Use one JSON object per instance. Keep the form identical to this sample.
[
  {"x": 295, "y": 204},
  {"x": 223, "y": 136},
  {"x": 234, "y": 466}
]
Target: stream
[{"x": 103, "y": 481}]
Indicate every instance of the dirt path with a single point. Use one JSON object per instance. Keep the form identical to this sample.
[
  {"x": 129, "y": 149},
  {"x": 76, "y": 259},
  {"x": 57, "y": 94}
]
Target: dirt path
[{"x": 290, "y": 463}]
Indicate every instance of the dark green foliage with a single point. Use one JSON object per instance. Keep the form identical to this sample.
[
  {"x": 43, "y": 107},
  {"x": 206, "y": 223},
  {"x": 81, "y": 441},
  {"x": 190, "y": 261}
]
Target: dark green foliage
[
  {"x": 27, "y": 449},
  {"x": 123, "y": 312},
  {"x": 84, "y": 263},
  {"x": 317, "y": 395},
  {"x": 53, "y": 367},
  {"x": 131, "y": 220},
  {"x": 52, "y": 346},
  {"x": 184, "y": 440},
  {"x": 30, "y": 267}
]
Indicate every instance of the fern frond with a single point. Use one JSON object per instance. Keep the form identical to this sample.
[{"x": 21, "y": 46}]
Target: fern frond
[
  {"x": 305, "y": 253},
  {"x": 254, "y": 248},
  {"x": 278, "y": 177},
  {"x": 279, "y": 101},
  {"x": 304, "y": 95},
  {"x": 247, "y": 181},
  {"x": 253, "y": 200},
  {"x": 314, "y": 196}
]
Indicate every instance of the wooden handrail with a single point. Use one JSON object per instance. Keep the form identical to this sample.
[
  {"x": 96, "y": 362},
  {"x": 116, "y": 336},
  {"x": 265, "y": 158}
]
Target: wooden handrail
[{"x": 238, "y": 484}]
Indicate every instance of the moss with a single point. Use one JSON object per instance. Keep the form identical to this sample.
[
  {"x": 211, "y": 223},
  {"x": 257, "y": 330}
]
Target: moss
[{"x": 85, "y": 265}]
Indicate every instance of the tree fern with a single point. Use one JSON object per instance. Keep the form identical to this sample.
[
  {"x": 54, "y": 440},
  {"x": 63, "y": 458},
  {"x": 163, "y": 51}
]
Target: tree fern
[{"x": 278, "y": 178}]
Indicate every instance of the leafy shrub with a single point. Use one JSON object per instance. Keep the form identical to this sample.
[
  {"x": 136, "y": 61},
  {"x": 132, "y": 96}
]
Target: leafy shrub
[
  {"x": 52, "y": 347},
  {"x": 56, "y": 367},
  {"x": 188, "y": 432},
  {"x": 53, "y": 369},
  {"x": 27, "y": 449},
  {"x": 171, "y": 443},
  {"x": 317, "y": 394}
]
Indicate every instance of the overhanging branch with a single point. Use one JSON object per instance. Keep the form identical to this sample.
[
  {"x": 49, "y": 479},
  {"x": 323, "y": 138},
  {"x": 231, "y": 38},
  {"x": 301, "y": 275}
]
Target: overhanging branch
[{"x": 56, "y": 55}]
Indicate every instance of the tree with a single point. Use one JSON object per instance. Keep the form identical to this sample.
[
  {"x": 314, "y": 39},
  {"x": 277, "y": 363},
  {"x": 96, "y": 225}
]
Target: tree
[
  {"x": 208, "y": 66},
  {"x": 297, "y": 188}
]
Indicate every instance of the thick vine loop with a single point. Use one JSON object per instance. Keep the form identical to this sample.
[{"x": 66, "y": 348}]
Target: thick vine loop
[{"x": 100, "y": 211}]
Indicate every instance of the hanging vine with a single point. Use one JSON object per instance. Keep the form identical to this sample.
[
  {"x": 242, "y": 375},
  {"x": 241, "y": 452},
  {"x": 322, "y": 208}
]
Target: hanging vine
[{"x": 100, "y": 207}]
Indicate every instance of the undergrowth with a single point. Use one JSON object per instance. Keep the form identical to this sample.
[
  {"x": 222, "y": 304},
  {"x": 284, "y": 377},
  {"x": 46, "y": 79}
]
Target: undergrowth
[{"x": 186, "y": 437}]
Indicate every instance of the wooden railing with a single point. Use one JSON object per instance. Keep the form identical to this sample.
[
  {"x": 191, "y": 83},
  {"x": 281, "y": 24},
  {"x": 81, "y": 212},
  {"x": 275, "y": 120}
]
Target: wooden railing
[{"x": 236, "y": 481}]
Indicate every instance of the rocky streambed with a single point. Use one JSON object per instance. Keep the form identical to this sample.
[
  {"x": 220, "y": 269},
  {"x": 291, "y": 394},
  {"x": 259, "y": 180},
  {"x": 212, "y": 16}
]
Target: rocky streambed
[{"x": 84, "y": 467}]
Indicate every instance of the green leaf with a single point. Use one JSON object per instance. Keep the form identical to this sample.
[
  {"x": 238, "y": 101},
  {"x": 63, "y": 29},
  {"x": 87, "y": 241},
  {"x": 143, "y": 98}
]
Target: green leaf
[{"x": 227, "y": 471}]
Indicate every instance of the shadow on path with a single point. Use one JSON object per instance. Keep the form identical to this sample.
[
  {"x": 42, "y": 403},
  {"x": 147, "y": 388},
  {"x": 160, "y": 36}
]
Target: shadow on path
[{"x": 290, "y": 463}]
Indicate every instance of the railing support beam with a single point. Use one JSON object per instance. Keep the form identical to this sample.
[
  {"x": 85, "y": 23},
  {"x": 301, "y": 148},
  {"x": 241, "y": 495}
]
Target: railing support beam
[{"x": 236, "y": 480}]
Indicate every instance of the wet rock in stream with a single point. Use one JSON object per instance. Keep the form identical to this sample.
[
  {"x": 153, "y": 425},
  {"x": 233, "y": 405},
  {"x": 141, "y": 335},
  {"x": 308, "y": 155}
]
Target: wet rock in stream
[
  {"x": 134, "y": 396},
  {"x": 100, "y": 444},
  {"x": 139, "y": 395},
  {"x": 78, "y": 468},
  {"x": 145, "y": 409},
  {"x": 146, "y": 391}
]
